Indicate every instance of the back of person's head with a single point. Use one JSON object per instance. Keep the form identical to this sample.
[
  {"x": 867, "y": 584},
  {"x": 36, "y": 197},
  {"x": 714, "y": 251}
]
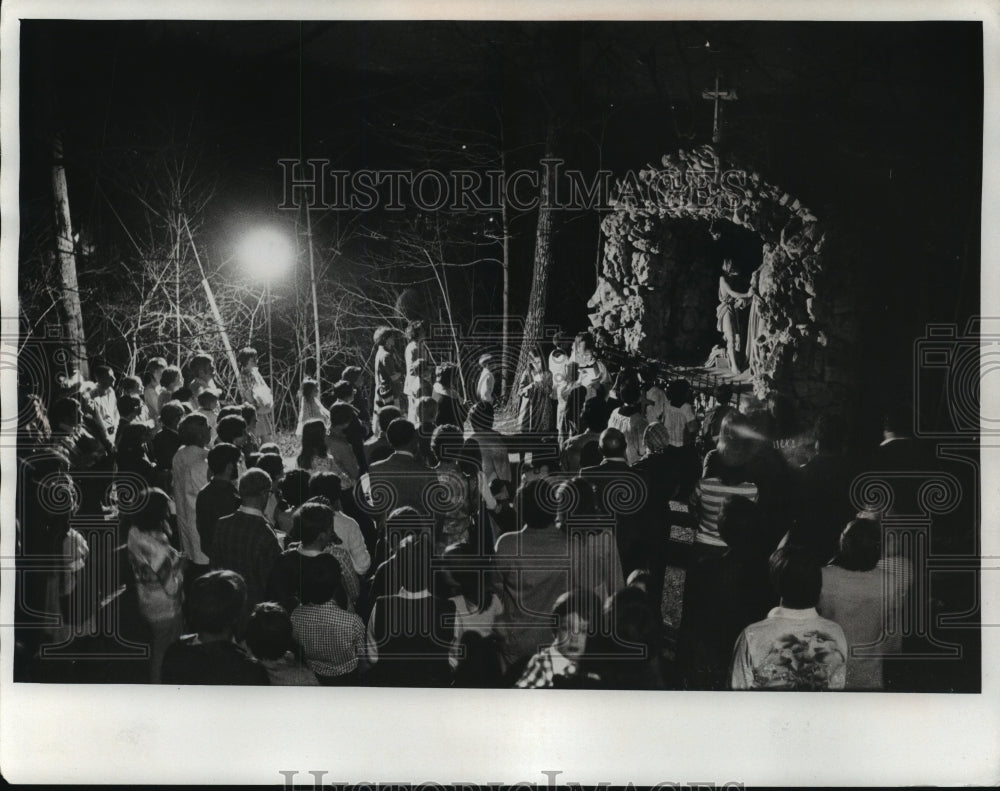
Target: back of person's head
[
  {"x": 171, "y": 375},
  {"x": 723, "y": 393},
  {"x": 102, "y": 372},
  {"x": 630, "y": 393},
  {"x": 401, "y": 434},
  {"x": 446, "y": 443},
  {"x": 245, "y": 355},
  {"x": 480, "y": 665},
  {"x": 248, "y": 412},
  {"x": 635, "y": 621},
  {"x": 574, "y": 499},
  {"x": 641, "y": 579},
  {"x": 131, "y": 384},
  {"x": 231, "y": 428},
  {"x": 328, "y": 485},
  {"x": 481, "y": 415},
  {"x": 184, "y": 394},
  {"x": 64, "y": 411},
  {"x": 343, "y": 390},
  {"x": 309, "y": 388},
  {"x": 208, "y": 399},
  {"x": 831, "y": 433},
  {"x": 153, "y": 367},
  {"x": 860, "y": 545},
  {"x": 536, "y": 504},
  {"x": 270, "y": 447},
  {"x": 383, "y": 335},
  {"x": 215, "y": 601},
  {"x": 233, "y": 409},
  {"x": 252, "y": 459},
  {"x": 312, "y": 520},
  {"x": 736, "y": 438},
  {"x": 612, "y": 443},
  {"x": 460, "y": 563},
  {"x": 656, "y": 437},
  {"x": 255, "y": 485},
  {"x": 193, "y": 429},
  {"x": 404, "y": 521},
  {"x": 341, "y": 415},
  {"x": 386, "y": 415},
  {"x": 269, "y": 631},
  {"x": 294, "y": 487},
  {"x": 677, "y": 392},
  {"x": 322, "y": 581},
  {"x": 796, "y": 577},
  {"x": 129, "y": 406},
  {"x": 427, "y": 409},
  {"x": 272, "y": 464},
  {"x": 222, "y": 456},
  {"x": 416, "y": 330},
  {"x": 313, "y": 441},
  {"x": 352, "y": 374},
  {"x": 152, "y": 511},
  {"x": 171, "y": 414},
  {"x": 739, "y": 523}
]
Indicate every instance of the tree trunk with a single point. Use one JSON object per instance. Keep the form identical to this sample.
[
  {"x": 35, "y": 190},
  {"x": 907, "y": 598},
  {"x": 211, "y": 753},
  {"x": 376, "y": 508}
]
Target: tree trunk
[
  {"x": 68, "y": 285},
  {"x": 535, "y": 316}
]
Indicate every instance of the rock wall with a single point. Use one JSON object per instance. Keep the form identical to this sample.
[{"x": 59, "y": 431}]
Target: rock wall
[{"x": 809, "y": 342}]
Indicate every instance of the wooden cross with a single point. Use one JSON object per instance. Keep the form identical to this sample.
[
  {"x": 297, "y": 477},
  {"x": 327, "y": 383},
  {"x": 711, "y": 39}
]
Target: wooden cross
[{"x": 716, "y": 96}]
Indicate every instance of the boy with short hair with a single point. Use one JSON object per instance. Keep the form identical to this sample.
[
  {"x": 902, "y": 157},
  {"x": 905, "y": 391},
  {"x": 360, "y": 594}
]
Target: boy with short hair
[
  {"x": 577, "y": 613},
  {"x": 218, "y": 497}
]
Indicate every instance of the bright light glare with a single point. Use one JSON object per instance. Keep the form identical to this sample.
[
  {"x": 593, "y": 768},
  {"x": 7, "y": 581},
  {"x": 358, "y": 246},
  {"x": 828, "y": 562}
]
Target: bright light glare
[{"x": 266, "y": 254}]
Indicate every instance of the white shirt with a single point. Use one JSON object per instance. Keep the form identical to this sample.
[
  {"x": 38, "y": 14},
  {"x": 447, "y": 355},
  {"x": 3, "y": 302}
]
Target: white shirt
[
  {"x": 558, "y": 364},
  {"x": 348, "y": 531}
]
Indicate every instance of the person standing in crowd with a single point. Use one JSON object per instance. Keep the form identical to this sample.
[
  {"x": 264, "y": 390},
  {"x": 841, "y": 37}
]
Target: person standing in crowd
[
  {"x": 254, "y": 390},
  {"x": 492, "y": 444},
  {"x": 218, "y": 497},
  {"x": 794, "y": 647},
  {"x": 487, "y": 381},
  {"x": 171, "y": 381},
  {"x": 388, "y": 376},
  {"x": 272, "y": 643},
  {"x": 360, "y": 401},
  {"x": 864, "y": 592},
  {"x": 157, "y": 569},
  {"x": 310, "y": 407},
  {"x": 560, "y": 369},
  {"x": 593, "y": 422},
  {"x": 416, "y": 349},
  {"x": 208, "y": 405},
  {"x": 656, "y": 399},
  {"x": 152, "y": 388},
  {"x": 711, "y": 427},
  {"x": 535, "y": 391},
  {"x": 189, "y": 476},
  {"x": 201, "y": 376},
  {"x": 131, "y": 386},
  {"x": 244, "y": 542},
  {"x": 577, "y": 614},
  {"x": 592, "y": 373},
  {"x": 451, "y": 410},
  {"x": 166, "y": 442},
  {"x": 377, "y": 446},
  {"x": 105, "y": 402},
  {"x": 630, "y": 420}
]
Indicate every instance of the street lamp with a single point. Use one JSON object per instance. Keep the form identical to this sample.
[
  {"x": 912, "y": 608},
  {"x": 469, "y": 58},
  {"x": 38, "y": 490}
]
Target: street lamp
[{"x": 266, "y": 254}]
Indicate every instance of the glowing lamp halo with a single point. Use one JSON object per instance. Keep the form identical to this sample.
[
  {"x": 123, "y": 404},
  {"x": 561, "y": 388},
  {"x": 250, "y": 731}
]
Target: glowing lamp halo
[{"x": 266, "y": 254}]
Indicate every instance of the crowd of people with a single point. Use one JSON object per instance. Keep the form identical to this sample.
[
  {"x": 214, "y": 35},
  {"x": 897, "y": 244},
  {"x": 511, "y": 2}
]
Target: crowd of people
[{"x": 415, "y": 538}]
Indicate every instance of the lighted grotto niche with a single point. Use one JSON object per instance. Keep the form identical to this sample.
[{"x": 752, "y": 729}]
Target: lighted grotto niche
[{"x": 658, "y": 288}]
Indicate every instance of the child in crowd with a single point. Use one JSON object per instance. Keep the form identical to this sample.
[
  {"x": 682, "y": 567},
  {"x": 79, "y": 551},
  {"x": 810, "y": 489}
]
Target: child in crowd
[
  {"x": 577, "y": 614},
  {"x": 151, "y": 386},
  {"x": 132, "y": 386}
]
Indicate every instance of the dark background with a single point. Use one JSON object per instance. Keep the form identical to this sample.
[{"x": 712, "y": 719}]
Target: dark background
[{"x": 874, "y": 126}]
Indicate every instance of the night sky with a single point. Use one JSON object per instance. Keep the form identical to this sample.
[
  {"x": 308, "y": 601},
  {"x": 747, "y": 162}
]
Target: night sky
[{"x": 875, "y": 126}]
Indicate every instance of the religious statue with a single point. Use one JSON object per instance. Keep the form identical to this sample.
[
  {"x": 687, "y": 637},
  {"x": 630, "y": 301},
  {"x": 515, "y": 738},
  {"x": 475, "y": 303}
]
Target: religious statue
[{"x": 730, "y": 301}]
